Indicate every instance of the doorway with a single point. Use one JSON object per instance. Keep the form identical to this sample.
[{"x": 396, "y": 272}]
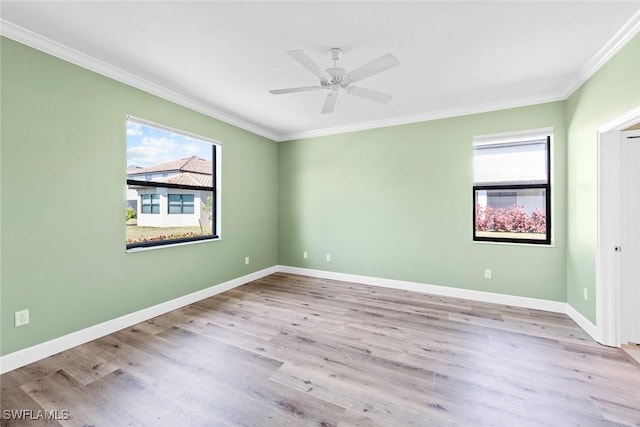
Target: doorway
[
  {"x": 618, "y": 246},
  {"x": 630, "y": 237}
]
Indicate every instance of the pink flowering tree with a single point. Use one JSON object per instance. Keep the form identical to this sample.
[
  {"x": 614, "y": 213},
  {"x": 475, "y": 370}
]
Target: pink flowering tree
[
  {"x": 537, "y": 222},
  {"x": 483, "y": 216},
  {"x": 512, "y": 219}
]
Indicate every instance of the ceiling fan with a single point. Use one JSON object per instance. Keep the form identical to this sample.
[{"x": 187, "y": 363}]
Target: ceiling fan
[{"x": 335, "y": 78}]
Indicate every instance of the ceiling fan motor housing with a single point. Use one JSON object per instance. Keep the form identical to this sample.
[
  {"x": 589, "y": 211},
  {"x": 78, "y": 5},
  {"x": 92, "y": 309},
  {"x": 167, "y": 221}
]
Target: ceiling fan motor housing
[{"x": 338, "y": 77}]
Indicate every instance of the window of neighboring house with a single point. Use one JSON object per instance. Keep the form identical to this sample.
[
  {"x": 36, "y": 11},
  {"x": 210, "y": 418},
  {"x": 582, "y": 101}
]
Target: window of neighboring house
[
  {"x": 150, "y": 204},
  {"x": 181, "y": 203},
  {"x": 512, "y": 187},
  {"x": 173, "y": 174}
]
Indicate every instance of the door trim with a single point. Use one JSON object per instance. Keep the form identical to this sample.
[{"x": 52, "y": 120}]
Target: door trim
[{"x": 608, "y": 227}]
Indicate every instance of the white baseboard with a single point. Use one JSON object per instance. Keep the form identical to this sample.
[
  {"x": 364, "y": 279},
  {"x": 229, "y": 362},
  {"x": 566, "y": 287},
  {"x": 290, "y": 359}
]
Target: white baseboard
[
  {"x": 539, "y": 304},
  {"x": 512, "y": 300},
  {"x": 584, "y": 323},
  {"x": 37, "y": 352}
]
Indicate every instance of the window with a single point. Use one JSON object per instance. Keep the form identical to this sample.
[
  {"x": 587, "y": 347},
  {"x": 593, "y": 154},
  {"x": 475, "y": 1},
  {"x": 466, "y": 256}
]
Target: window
[
  {"x": 150, "y": 204},
  {"x": 512, "y": 188},
  {"x": 171, "y": 186},
  {"x": 180, "y": 203}
]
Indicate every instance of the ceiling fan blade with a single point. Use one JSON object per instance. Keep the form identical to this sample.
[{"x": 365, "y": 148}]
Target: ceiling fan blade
[
  {"x": 330, "y": 102},
  {"x": 295, "y": 89},
  {"x": 309, "y": 64},
  {"x": 371, "y": 95},
  {"x": 374, "y": 67}
]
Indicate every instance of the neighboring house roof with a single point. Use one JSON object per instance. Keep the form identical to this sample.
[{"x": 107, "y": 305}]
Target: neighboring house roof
[
  {"x": 189, "y": 171},
  {"x": 190, "y": 164},
  {"x": 188, "y": 178},
  {"x": 133, "y": 169}
]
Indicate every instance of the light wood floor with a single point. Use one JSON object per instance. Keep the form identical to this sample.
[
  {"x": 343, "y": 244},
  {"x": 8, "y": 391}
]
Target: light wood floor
[
  {"x": 289, "y": 350},
  {"x": 633, "y": 352}
]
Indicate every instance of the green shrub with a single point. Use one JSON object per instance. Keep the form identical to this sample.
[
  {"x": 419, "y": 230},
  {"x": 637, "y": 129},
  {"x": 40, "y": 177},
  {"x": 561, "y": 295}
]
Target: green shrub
[{"x": 131, "y": 213}]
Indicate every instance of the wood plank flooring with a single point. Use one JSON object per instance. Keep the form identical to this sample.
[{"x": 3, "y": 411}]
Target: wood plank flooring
[
  {"x": 289, "y": 350},
  {"x": 633, "y": 352}
]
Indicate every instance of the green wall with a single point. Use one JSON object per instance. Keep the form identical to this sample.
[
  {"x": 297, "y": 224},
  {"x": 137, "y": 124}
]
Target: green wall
[
  {"x": 611, "y": 92},
  {"x": 397, "y": 203},
  {"x": 63, "y": 201},
  {"x": 392, "y": 202}
]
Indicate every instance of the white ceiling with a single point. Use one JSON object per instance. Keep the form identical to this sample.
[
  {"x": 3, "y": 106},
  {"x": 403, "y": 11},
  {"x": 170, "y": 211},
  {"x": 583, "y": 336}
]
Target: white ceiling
[{"x": 221, "y": 58}]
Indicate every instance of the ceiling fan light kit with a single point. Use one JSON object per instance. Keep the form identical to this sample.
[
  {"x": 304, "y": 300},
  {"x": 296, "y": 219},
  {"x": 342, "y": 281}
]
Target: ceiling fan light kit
[{"x": 336, "y": 79}]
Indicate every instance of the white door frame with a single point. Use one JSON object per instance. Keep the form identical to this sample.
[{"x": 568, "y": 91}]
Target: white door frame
[{"x": 608, "y": 228}]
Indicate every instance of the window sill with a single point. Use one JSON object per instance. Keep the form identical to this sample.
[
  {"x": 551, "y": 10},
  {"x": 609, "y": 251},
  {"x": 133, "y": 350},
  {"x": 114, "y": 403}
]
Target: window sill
[
  {"x": 534, "y": 245},
  {"x": 172, "y": 245}
]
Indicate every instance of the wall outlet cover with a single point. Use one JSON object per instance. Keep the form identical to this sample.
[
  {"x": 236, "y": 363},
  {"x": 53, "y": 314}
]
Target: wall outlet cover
[{"x": 22, "y": 317}]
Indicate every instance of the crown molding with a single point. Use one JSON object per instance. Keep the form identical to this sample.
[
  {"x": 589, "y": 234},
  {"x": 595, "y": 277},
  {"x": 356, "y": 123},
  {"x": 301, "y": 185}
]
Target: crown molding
[
  {"x": 51, "y": 47},
  {"x": 36, "y": 41},
  {"x": 613, "y": 46},
  {"x": 425, "y": 117}
]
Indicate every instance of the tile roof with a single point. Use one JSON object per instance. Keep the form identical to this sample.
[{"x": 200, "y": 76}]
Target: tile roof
[
  {"x": 133, "y": 169},
  {"x": 189, "y": 164},
  {"x": 191, "y": 171},
  {"x": 188, "y": 178}
]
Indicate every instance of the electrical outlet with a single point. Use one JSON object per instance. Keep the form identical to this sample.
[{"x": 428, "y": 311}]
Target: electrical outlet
[
  {"x": 246, "y": 260},
  {"x": 487, "y": 273},
  {"x": 585, "y": 294},
  {"x": 328, "y": 257},
  {"x": 22, "y": 318},
  {"x": 305, "y": 255}
]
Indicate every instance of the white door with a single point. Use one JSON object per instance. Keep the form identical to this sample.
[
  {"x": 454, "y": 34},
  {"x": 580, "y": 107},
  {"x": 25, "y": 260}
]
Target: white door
[{"x": 630, "y": 237}]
